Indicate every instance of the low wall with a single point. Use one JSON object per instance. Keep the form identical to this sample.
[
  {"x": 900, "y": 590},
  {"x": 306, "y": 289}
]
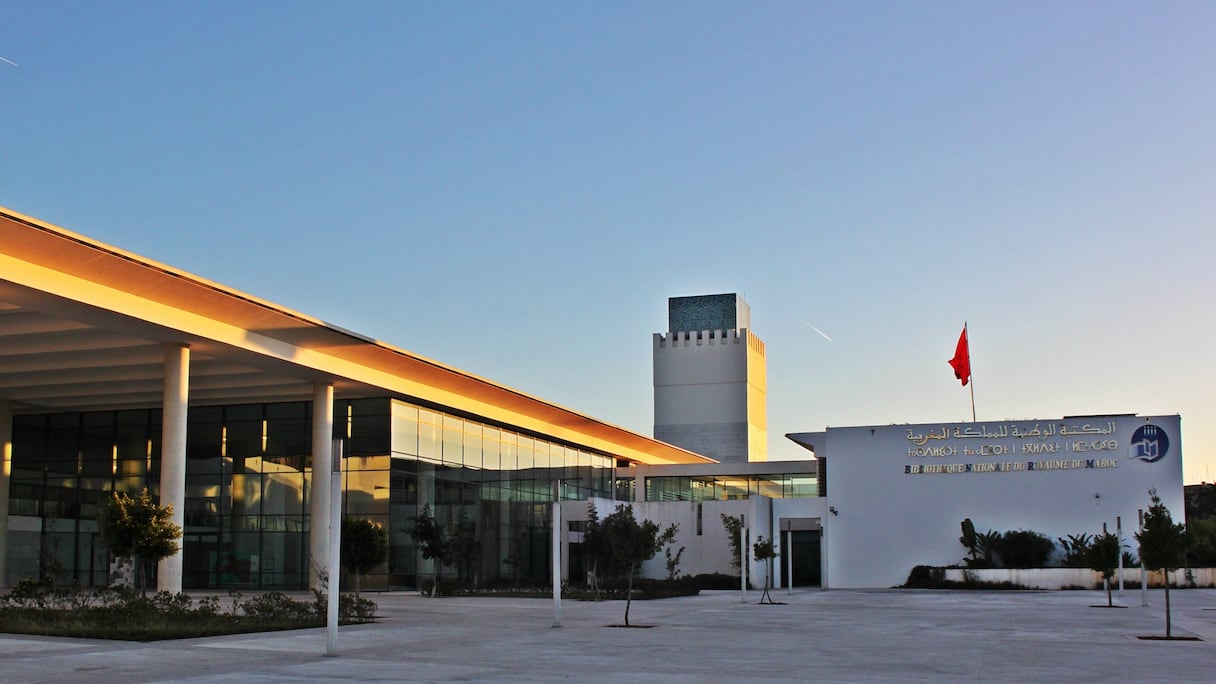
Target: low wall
[{"x": 1073, "y": 578}]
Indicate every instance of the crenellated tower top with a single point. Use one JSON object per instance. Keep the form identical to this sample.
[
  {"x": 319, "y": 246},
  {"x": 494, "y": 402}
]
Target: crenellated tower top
[{"x": 710, "y": 379}]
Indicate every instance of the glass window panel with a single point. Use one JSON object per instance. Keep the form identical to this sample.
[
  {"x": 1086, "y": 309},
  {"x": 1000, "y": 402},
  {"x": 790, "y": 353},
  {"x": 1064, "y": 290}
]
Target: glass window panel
[
  {"x": 29, "y": 441},
  {"x": 288, "y": 436},
  {"x": 289, "y": 410},
  {"x": 453, "y": 445},
  {"x": 283, "y": 493},
  {"x": 429, "y": 441},
  {"x": 63, "y": 443},
  {"x": 245, "y": 494},
  {"x": 203, "y": 440},
  {"x": 508, "y": 452},
  {"x": 405, "y": 429},
  {"x": 370, "y": 433},
  {"x": 472, "y": 445},
  {"x": 243, "y": 440},
  {"x": 490, "y": 447},
  {"x": 245, "y": 412},
  {"x": 525, "y": 454}
]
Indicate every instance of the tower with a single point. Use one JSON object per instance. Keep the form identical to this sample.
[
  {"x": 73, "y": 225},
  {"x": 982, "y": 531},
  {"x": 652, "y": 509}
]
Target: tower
[{"x": 710, "y": 381}]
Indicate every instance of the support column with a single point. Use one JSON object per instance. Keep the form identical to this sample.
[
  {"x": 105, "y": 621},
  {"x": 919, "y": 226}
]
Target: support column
[
  {"x": 173, "y": 455},
  {"x": 6, "y": 471},
  {"x": 318, "y": 491}
]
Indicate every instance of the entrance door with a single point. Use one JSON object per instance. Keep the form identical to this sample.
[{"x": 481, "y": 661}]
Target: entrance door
[{"x": 806, "y": 557}]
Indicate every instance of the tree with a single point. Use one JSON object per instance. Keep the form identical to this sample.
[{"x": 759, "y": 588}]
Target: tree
[
  {"x": 364, "y": 546},
  {"x": 1162, "y": 546},
  {"x": 463, "y": 548},
  {"x": 1024, "y": 549},
  {"x": 1201, "y": 542},
  {"x": 766, "y": 552},
  {"x": 140, "y": 529},
  {"x": 1102, "y": 555},
  {"x": 969, "y": 541},
  {"x": 432, "y": 541},
  {"x": 734, "y": 532},
  {"x": 629, "y": 543},
  {"x": 1076, "y": 550},
  {"x": 988, "y": 543},
  {"x": 594, "y": 547},
  {"x": 1200, "y": 501}
]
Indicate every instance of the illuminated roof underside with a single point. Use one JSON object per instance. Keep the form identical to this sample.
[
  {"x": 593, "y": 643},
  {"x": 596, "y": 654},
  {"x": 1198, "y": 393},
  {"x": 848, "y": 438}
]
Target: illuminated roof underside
[{"x": 82, "y": 326}]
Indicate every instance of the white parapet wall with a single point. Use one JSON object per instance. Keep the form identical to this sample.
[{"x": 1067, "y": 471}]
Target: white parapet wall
[{"x": 1079, "y": 578}]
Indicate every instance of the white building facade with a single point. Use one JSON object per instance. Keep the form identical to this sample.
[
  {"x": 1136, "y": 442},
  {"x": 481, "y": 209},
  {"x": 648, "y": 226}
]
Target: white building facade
[
  {"x": 893, "y": 497},
  {"x": 897, "y": 495}
]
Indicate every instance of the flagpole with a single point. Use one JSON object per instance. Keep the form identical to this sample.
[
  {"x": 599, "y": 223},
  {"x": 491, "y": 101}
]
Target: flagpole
[{"x": 972, "y": 376}]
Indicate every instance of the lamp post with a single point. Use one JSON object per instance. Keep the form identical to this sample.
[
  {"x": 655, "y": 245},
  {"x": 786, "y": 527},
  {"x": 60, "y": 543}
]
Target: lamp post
[
  {"x": 557, "y": 553},
  {"x": 335, "y": 548}
]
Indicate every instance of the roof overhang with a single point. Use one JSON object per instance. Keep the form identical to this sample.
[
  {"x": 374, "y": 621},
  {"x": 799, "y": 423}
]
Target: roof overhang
[{"x": 83, "y": 326}]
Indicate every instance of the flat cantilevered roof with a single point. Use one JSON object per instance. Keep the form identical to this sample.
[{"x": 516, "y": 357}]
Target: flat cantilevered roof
[{"x": 83, "y": 327}]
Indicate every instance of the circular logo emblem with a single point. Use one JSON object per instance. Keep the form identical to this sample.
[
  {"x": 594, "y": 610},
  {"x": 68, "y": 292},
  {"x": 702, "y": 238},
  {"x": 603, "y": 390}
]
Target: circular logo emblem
[{"x": 1149, "y": 444}]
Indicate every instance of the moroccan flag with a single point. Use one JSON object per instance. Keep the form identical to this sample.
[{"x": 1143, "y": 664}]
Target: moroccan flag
[{"x": 961, "y": 363}]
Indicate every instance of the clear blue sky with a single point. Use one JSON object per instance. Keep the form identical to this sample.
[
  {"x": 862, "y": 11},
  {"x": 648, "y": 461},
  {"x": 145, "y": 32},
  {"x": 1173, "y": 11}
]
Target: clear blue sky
[{"x": 516, "y": 188}]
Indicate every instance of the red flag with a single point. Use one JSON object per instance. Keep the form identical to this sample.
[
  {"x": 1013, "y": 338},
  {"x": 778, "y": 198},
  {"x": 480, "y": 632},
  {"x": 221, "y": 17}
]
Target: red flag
[{"x": 961, "y": 363}]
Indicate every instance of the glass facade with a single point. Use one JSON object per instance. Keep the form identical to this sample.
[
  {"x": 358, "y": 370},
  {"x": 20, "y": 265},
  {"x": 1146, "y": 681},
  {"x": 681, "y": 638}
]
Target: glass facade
[
  {"x": 247, "y": 480},
  {"x": 728, "y": 487},
  {"x": 500, "y": 481}
]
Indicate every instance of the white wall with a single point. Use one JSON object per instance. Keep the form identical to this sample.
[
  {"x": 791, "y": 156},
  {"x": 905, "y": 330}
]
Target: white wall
[
  {"x": 891, "y": 517},
  {"x": 701, "y": 391},
  {"x": 708, "y": 552}
]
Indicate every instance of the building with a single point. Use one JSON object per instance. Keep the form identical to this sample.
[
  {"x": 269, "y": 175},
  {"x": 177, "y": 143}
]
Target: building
[
  {"x": 897, "y": 494},
  {"x": 119, "y": 373},
  {"x": 710, "y": 379},
  {"x": 878, "y": 500}
]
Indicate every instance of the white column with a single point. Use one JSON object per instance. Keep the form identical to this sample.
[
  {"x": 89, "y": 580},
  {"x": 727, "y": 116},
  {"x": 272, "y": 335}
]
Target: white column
[
  {"x": 173, "y": 455},
  {"x": 6, "y": 471},
  {"x": 318, "y": 492},
  {"x": 789, "y": 559}
]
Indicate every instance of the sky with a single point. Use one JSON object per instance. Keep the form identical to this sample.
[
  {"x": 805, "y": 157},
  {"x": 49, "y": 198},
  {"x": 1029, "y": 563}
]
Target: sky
[{"x": 516, "y": 188}]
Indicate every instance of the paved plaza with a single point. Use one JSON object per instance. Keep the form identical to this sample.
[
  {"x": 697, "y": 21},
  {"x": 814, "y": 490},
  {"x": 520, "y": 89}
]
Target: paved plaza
[{"x": 827, "y": 636}]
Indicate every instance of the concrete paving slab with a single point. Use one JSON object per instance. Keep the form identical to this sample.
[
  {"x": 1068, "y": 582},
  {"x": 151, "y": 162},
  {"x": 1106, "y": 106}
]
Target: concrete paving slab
[{"x": 832, "y": 636}]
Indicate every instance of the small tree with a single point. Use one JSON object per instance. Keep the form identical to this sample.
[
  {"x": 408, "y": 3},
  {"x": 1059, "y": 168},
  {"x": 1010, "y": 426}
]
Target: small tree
[
  {"x": 766, "y": 552},
  {"x": 432, "y": 541},
  {"x": 594, "y": 547},
  {"x": 463, "y": 548},
  {"x": 364, "y": 546},
  {"x": 629, "y": 543},
  {"x": 734, "y": 533},
  {"x": 1162, "y": 546},
  {"x": 1102, "y": 555},
  {"x": 140, "y": 529},
  {"x": 673, "y": 562}
]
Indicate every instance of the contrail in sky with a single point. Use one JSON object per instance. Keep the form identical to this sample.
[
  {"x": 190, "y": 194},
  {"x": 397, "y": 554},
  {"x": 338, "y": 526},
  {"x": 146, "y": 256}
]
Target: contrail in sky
[
  {"x": 10, "y": 61},
  {"x": 825, "y": 335}
]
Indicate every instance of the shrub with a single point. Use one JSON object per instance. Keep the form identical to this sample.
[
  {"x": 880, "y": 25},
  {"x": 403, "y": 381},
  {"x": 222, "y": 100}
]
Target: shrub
[
  {"x": 929, "y": 577},
  {"x": 926, "y": 577},
  {"x": 280, "y": 606},
  {"x": 716, "y": 580},
  {"x": 123, "y": 613},
  {"x": 1024, "y": 549}
]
